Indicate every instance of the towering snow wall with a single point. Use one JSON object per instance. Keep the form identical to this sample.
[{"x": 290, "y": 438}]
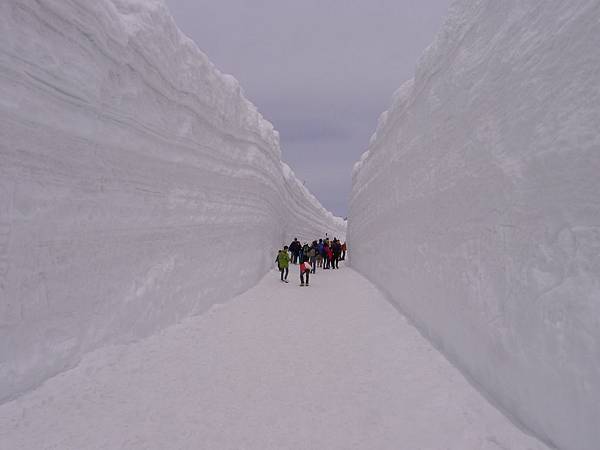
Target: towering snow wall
[
  {"x": 137, "y": 185},
  {"x": 477, "y": 207}
]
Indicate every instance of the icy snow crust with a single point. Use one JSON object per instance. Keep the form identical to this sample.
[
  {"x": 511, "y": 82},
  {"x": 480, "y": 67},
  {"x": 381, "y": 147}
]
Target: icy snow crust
[
  {"x": 477, "y": 207},
  {"x": 137, "y": 185}
]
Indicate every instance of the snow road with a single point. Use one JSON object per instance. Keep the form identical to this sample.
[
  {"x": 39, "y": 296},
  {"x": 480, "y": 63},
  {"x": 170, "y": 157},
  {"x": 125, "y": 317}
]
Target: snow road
[{"x": 332, "y": 366}]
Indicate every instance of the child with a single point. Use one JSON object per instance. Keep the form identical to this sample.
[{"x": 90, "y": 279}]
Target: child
[
  {"x": 304, "y": 270},
  {"x": 283, "y": 262}
]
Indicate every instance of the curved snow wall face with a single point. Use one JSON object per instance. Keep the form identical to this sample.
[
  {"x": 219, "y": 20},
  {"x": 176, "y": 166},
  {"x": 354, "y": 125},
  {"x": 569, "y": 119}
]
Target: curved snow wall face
[
  {"x": 477, "y": 207},
  {"x": 137, "y": 185}
]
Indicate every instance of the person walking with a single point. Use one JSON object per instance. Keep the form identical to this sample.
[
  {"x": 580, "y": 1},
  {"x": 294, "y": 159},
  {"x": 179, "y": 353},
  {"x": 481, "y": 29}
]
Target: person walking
[
  {"x": 320, "y": 253},
  {"x": 336, "y": 249},
  {"x": 304, "y": 252},
  {"x": 329, "y": 257},
  {"x": 295, "y": 250},
  {"x": 305, "y": 268},
  {"x": 283, "y": 262},
  {"x": 344, "y": 248},
  {"x": 312, "y": 256}
]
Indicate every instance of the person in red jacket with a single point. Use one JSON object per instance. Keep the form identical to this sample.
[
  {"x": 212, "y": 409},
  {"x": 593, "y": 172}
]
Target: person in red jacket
[
  {"x": 329, "y": 257},
  {"x": 326, "y": 261}
]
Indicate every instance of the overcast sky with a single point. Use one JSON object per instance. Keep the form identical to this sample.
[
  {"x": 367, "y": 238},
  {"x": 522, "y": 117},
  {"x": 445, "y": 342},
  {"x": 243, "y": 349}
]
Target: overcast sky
[{"x": 320, "y": 70}]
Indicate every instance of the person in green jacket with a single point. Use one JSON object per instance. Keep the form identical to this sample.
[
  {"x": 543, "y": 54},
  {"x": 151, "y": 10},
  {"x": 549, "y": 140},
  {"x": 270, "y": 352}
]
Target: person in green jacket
[{"x": 283, "y": 262}]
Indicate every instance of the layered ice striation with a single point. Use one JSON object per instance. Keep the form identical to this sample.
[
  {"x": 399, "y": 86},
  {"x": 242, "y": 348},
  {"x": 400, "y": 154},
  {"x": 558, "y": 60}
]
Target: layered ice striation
[
  {"x": 477, "y": 207},
  {"x": 137, "y": 185}
]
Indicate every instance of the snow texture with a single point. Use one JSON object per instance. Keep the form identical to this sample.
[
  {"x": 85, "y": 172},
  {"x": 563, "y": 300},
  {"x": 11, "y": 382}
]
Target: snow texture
[
  {"x": 281, "y": 367},
  {"x": 137, "y": 185},
  {"x": 477, "y": 207}
]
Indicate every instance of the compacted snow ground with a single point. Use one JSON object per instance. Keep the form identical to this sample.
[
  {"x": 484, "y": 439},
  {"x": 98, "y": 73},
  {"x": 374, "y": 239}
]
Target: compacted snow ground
[{"x": 331, "y": 366}]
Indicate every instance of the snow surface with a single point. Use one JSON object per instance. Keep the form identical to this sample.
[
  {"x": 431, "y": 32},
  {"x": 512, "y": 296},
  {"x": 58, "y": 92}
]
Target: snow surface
[
  {"x": 332, "y": 366},
  {"x": 137, "y": 185},
  {"x": 477, "y": 207}
]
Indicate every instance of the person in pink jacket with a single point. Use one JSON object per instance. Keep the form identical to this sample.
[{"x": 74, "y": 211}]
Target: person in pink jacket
[{"x": 305, "y": 268}]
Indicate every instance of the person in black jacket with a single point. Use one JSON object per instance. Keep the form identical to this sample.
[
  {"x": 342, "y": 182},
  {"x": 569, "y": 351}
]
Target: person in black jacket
[
  {"x": 295, "y": 250},
  {"x": 336, "y": 247}
]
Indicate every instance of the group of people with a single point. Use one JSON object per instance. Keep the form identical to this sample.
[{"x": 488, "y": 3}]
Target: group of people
[{"x": 323, "y": 253}]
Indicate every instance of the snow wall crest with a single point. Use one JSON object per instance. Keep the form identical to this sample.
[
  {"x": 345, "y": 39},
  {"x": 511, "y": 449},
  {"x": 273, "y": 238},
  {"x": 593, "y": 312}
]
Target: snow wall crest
[
  {"x": 137, "y": 185},
  {"x": 482, "y": 185}
]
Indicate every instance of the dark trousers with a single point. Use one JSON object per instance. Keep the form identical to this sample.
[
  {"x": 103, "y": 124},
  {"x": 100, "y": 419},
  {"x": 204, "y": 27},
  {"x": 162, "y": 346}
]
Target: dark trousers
[
  {"x": 343, "y": 255},
  {"x": 284, "y": 270},
  {"x": 336, "y": 262},
  {"x": 313, "y": 263},
  {"x": 307, "y": 273}
]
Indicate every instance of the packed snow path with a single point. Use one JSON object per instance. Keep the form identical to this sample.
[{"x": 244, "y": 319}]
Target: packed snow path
[{"x": 331, "y": 366}]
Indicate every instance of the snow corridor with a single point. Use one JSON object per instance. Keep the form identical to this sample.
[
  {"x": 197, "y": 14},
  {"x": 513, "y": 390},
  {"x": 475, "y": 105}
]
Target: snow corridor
[{"x": 330, "y": 366}]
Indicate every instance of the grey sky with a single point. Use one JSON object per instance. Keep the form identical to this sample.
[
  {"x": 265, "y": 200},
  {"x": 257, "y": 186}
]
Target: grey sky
[{"x": 320, "y": 71}]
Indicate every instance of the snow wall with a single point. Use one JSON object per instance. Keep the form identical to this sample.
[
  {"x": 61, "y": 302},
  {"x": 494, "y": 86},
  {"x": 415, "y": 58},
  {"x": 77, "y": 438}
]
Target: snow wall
[
  {"x": 137, "y": 185},
  {"x": 477, "y": 207}
]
